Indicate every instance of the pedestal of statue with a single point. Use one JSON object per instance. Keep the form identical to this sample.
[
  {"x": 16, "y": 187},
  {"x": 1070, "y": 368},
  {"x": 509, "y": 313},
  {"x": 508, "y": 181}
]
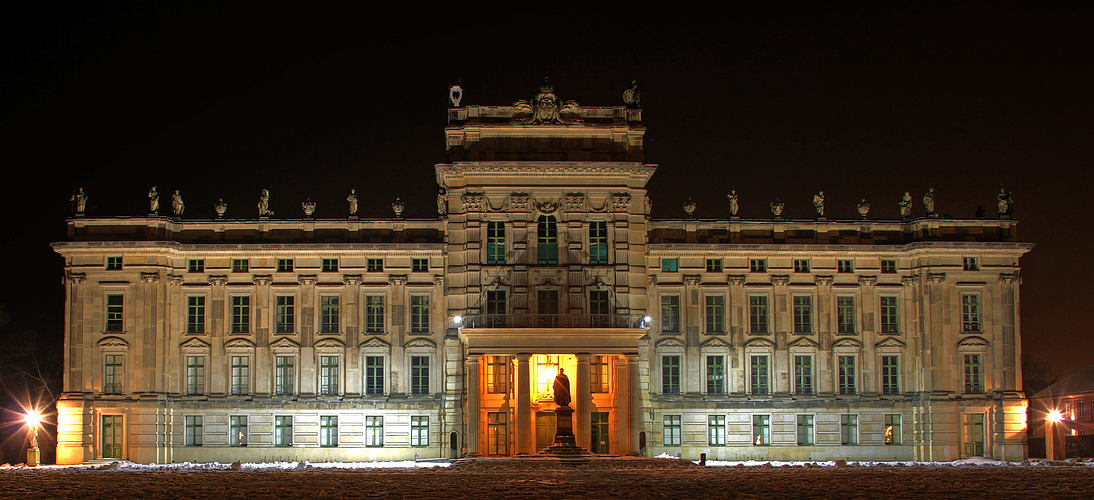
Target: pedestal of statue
[
  {"x": 564, "y": 427},
  {"x": 34, "y": 456}
]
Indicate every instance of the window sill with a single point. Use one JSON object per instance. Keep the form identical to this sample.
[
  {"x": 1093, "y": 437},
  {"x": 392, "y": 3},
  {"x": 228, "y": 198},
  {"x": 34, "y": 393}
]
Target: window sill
[{"x": 715, "y": 333}]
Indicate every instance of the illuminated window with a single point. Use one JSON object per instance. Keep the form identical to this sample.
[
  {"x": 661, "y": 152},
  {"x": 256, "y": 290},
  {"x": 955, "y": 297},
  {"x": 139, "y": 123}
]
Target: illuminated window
[
  {"x": 892, "y": 429},
  {"x": 547, "y": 240},
  {"x": 972, "y": 264},
  {"x": 803, "y": 374},
  {"x": 374, "y": 265},
  {"x": 114, "y": 312},
  {"x": 803, "y": 314},
  {"x": 419, "y": 265},
  {"x": 890, "y": 374},
  {"x": 673, "y": 428},
  {"x": 889, "y": 319},
  {"x": 758, "y": 381},
  {"x": 670, "y": 374},
  {"x": 328, "y": 375},
  {"x": 419, "y": 431},
  {"x": 974, "y": 380},
  {"x": 419, "y": 374},
  {"x": 374, "y": 432},
  {"x": 240, "y": 375},
  {"x": 374, "y": 375},
  {"x": 495, "y": 242},
  {"x": 283, "y": 375},
  {"x": 757, "y": 265},
  {"x": 283, "y": 431},
  {"x": 598, "y": 374},
  {"x": 715, "y": 313},
  {"x": 670, "y": 313},
  {"x": 888, "y": 266},
  {"x": 284, "y": 265},
  {"x": 286, "y": 314},
  {"x": 716, "y": 374},
  {"x": 374, "y": 314},
  {"x": 330, "y": 265},
  {"x": 237, "y": 430},
  {"x": 112, "y": 374},
  {"x": 716, "y": 430},
  {"x": 714, "y": 265},
  {"x": 241, "y": 265},
  {"x": 598, "y": 242},
  {"x": 497, "y": 374},
  {"x": 196, "y": 266},
  {"x": 761, "y": 430},
  {"x": 848, "y": 430},
  {"x": 802, "y": 266},
  {"x": 195, "y": 375},
  {"x": 419, "y": 313},
  {"x": 805, "y": 430},
  {"x": 845, "y": 315},
  {"x": 668, "y": 265},
  {"x": 845, "y": 266},
  {"x": 194, "y": 435},
  {"x": 241, "y": 314},
  {"x": 497, "y": 442},
  {"x": 847, "y": 375},
  {"x": 195, "y": 314},
  {"x": 970, "y": 312},
  {"x": 546, "y": 370},
  {"x": 328, "y": 314},
  {"x": 328, "y": 431},
  {"x": 113, "y": 263},
  {"x": 757, "y": 313}
]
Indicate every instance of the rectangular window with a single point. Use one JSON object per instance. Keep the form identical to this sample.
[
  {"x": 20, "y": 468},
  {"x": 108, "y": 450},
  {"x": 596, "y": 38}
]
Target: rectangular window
[
  {"x": 716, "y": 430},
  {"x": 330, "y": 265},
  {"x": 284, "y": 372},
  {"x": 196, "y": 265},
  {"x": 114, "y": 312},
  {"x": 495, "y": 242},
  {"x": 845, "y": 266},
  {"x": 496, "y": 374},
  {"x": 757, "y": 313},
  {"x": 374, "y": 375},
  {"x": 1080, "y": 410},
  {"x": 668, "y": 265},
  {"x": 716, "y": 374},
  {"x": 374, "y": 431},
  {"x": 237, "y": 430},
  {"x": 803, "y": 374},
  {"x": 892, "y": 428},
  {"x": 495, "y": 302},
  {"x": 714, "y": 265},
  {"x": 113, "y": 263},
  {"x": 328, "y": 314},
  {"x": 328, "y": 375},
  {"x": 847, "y": 375},
  {"x": 195, "y": 375},
  {"x": 598, "y": 242},
  {"x": 241, "y": 265},
  {"x": 112, "y": 374},
  {"x": 970, "y": 312},
  {"x": 195, "y": 314},
  {"x": 974, "y": 380},
  {"x": 889, "y": 318},
  {"x": 715, "y": 313},
  {"x": 757, "y": 265},
  {"x": 286, "y": 314},
  {"x": 848, "y": 430},
  {"x": 374, "y": 265},
  {"x": 284, "y": 265},
  {"x": 759, "y": 382},
  {"x": 973, "y": 434},
  {"x": 802, "y": 266},
  {"x": 845, "y": 314},
  {"x": 670, "y": 313},
  {"x": 374, "y": 314},
  {"x": 419, "y": 265},
  {"x": 972, "y": 264},
  {"x": 670, "y": 374},
  {"x": 803, "y": 314},
  {"x": 328, "y": 431},
  {"x": 888, "y": 266},
  {"x": 599, "y": 303},
  {"x": 419, "y": 374},
  {"x": 241, "y": 314},
  {"x": 673, "y": 428},
  {"x": 547, "y": 242},
  {"x": 419, "y": 313},
  {"x": 890, "y": 375},
  {"x": 598, "y": 374},
  {"x": 761, "y": 430},
  {"x": 241, "y": 376},
  {"x": 419, "y": 431},
  {"x": 283, "y": 431},
  {"x": 497, "y": 442},
  {"x": 805, "y": 430},
  {"x": 195, "y": 435}
]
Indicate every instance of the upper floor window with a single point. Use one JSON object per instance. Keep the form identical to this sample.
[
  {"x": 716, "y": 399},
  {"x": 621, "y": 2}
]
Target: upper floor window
[
  {"x": 670, "y": 374},
  {"x": 758, "y": 381},
  {"x": 495, "y": 242},
  {"x": 195, "y": 314},
  {"x": 374, "y": 313},
  {"x": 328, "y": 314},
  {"x": 328, "y": 375},
  {"x": 845, "y": 314},
  {"x": 112, "y": 374},
  {"x": 284, "y": 372},
  {"x": 845, "y": 266},
  {"x": 547, "y": 248},
  {"x": 241, "y": 314},
  {"x": 598, "y": 242},
  {"x": 241, "y": 265},
  {"x": 497, "y": 374},
  {"x": 115, "y": 307},
  {"x": 970, "y": 312},
  {"x": 419, "y": 313},
  {"x": 284, "y": 265},
  {"x": 670, "y": 313},
  {"x": 715, "y": 313},
  {"x": 974, "y": 378},
  {"x": 803, "y": 314},
  {"x": 757, "y": 313},
  {"x": 373, "y": 265},
  {"x": 374, "y": 374},
  {"x": 803, "y": 374},
  {"x": 889, "y": 320},
  {"x": 714, "y": 265},
  {"x": 890, "y": 375},
  {"x": 495, "y": 302},
  {"x": 285, "y": 316},
  {"x": 240, "y": 375},
  {"x": 195, "y": 375},
  {"x": 330, "y": 265},
  {"x": 888, "y": 266},
  {"x": 801, "y": 265},
  {"x": 847, "y": 375},
  {"x": 757, "y": 265},
  {"x": 972, "y": 264},
  {"x": 419, "y": 374},
  {"x": 598, "y": 374},
  {"x": 196, "y": 266},
  {"x": 599, "y": 302},
  {"x": 668, "y": 265},
  {"x": 113, "y": 263},
  {"x": 716, "y": 374},
  {"x": 419, "y": 265}
]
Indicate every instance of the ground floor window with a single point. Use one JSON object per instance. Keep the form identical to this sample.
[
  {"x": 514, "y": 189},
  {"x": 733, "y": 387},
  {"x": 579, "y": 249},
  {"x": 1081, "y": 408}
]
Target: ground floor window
[
  {"x": 848, "y": 429},
  {"x": 974, "y": 434},
  {"x": 716, "y": 430},
  {"x": 761, "y": 430},
  {"x": 283, "y": 431},
  {"x": 496, "y": 434},
  {"x": 805, "y": 430},
  {"x": 419, "y": 431},
  {"x": 328, "y": 431},
  {"x": 237, "y": 430},
  {"x": 374, "y": 432},
  {"x": 892, "y": 429},
  {"x": 672, "y": 430},
  {"x": 193, "y": 430}
]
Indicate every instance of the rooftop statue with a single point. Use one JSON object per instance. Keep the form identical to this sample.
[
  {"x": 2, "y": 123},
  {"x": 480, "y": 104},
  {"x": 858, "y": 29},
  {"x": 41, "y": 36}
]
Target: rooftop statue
[
  {"x": 220, "y": 207},
  {"x": 906, "y": 205},
  {"x": 398, "y": 207},
  {"x": 1006, "y": 203},
  {"x": 562, "y": 388},
  {"x": 632, "y": 97},
  {"x": 863, "y": 208},
  {"x": 81, "y": 201},
  {"x": 153, "y": 202},
  {"x": 732, "y": 203},
  {"x": 546, "y": 109},
  {"x": 309, "y": 207},
  {"x": 689, "y": 206},
  {"x": 818, "y": 203},
  {"x": 442, "y": 201},
  {"x": 777, "y": 208},
  {"x": 455, "y": 95},
  {"x": 264, "y": 204},
  {"x": 176, "y": 203},
  {"x": 928, "y": 203},
  {"x": 352, "y": 199}
]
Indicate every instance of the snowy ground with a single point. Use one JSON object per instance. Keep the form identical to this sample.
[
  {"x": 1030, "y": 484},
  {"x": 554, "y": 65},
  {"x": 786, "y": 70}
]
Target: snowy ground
[{"x": 601, "y": 478}]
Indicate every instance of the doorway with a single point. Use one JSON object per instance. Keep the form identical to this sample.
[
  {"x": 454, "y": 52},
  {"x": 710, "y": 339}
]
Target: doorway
[
  {"x": 112, "y": 436},
  {"x": 545, "y": 429},
  {"x": 600, "y": 435}
]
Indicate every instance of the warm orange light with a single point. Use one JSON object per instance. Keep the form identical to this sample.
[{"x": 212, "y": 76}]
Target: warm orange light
[
  {"x": 1054, "y": 416},
  {"x": 32, "y": 418}
]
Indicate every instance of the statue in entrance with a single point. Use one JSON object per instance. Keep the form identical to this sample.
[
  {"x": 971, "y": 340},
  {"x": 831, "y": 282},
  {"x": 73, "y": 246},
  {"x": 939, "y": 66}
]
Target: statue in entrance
[{"x": 562, "y": 388}]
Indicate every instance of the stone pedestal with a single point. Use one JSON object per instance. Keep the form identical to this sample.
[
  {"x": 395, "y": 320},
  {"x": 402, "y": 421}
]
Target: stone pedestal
[
  {"x": 564, "y": 427},
  {"x": 34, "y": 456}
]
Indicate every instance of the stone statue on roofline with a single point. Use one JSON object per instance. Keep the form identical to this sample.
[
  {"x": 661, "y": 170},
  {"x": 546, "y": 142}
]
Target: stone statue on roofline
[
  {"x": 80, "y": 200},
  {"x": 153, "y": 202},
  {"x": 906, "y": 206},
  {"x": 733, "y": 207},
  {"x": 863, "y": 208},
  {"x": 1006, "y": 203},
  {"x": 818, "y": 204},
  {"x": 546, "y": 109},
  {"x": 562, "y": 388},
  {"x": 455, "y": 94},
  {"x": 264, "y": 204},
  {"x": 176, "y": 204},
  {"x": 352, "y": 199},
  {"x": 442, "y": 201},
  {"x": 632, "y": 97},
  {"x": 928, "y": 203}
]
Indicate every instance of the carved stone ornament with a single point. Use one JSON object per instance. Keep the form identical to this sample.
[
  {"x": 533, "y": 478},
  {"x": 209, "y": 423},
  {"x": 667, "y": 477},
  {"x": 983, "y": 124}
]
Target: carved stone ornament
[
  {"x": 777, "y": 208},
  {"x": 621, "y": 202},
  {"x": 307, "y": 279},
  {"x": 780, "y": 279},
  {"x": 936, "y": 278},
  {"x": 715, "y": 343},
  {"x": 177, "y": 205},
  {"x": 153, "y": 202},
  {"x": 455, "y": 95},
  {"x": 823, "y": 280},
  {"x": 735, "y": 279},
  {"x": 928, "y": 203},
  {"x": 396, "y": 279},
  {"x": 547, "y": 207},
  {"x": 151, "y": 277},
  {"x": 890, "y": 342},
  {"x": 632, "y": 97},
  {"x": 693, "y": 279},
  {"x": 218, "y": 280},
  {"x": 442, "y": 201},
  {"x": 906, "y": 206},
  {"x": 220, "y": 207},
  {"x": 398, "y": 207},
  {"x": 818, "y": 204},
  {"x": 847, "y": 343},
  {"x": 973, "y": 341},
  {"x": 113, "y": 342},
  {"x": 573, "y": 202},
  {"x": 689, "y": 207},
  {"x": 438, "y": 281},
  {"x": 195, "y": 343},
  {"x": 670, "y": 342},
  {"x": 76, "y": 278},
  {"x": 420, "y": 343},
  {"x": 760, "y": 342},
  {"x": 375, "y": 343},
  {"x": 309, "y": 207},
  {"x": 908, "y": 280},
  {"x": 262, "y": 279},
  {"x": 653, "y": 279},
  {"x": 1005, "y": 203},
  {"x": 239, "y": 344},
  {"x": 352, "y": 199},
  {"x": 863, "y": 208},
  {"x": 329, "y": 343},
  {"x": 174, "y": 279},
  {"x": 867, "y": 280},
  {"x": 351, "y": 279},
  {"x": 733, "y": 203},
  {"x": 519, "y": 202},
  {"x": 804, "y": 342},
  {"x": 264, "y": 204},
  {"x": 284, "y": 343},
  {"x": 546, "y": 109},
  {"x": 1010, "y": 278},
  {"x": 79, "y": 202},
  {"x": 472, "y": 202}
]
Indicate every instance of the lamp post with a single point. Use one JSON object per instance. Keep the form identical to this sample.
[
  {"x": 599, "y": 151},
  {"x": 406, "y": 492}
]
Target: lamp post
[
  {"x": 34, "y": 455},
  {"x": 1053, "y": 418}
]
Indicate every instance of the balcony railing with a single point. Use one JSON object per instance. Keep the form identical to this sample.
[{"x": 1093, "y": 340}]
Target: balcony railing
[{"x": 553, "y": 321}]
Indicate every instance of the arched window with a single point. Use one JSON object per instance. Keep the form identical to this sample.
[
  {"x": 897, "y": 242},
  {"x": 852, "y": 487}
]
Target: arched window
[{"x": 547, "y": 250}]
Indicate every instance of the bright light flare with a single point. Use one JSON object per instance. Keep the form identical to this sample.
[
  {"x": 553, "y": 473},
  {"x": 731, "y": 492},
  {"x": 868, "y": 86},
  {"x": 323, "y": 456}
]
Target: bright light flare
[
  {"x": 1054, "y": 416},
  {"x": 33, "y": 418},
  {"x": 458, "y": 319}
]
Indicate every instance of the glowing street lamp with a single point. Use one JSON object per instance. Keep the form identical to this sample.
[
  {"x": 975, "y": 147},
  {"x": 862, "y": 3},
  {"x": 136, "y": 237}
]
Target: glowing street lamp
[
  {"x": 33, "y": 420},
  {"x": 1051, "y": 419}
]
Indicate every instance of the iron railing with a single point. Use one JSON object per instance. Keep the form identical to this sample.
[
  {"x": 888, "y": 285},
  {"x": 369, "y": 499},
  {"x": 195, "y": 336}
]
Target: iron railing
[{"x": 553, "y": 321}]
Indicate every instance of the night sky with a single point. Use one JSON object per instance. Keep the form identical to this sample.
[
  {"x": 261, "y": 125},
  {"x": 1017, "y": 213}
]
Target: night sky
[{"x": 773, "y": 101}]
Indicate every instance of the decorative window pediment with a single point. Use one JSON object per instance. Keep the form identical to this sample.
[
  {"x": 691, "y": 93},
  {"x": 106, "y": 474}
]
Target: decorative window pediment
[
  {"x": 328, "y": 343},
  {"x": 973, "y": 341},
  {"x": 804, "y": 342},
  {"x": 284, "y": 343},
  {"x": 848, "y": 343},
  {"x": 763, "y": 343},
  {"x": 113, "y": 342},
  {"x": 420, "y": 343},
  {"x": 194, "y": 343},
  {"x": 669, "y": 342},
  {"x": 239, "y": 344},
  {"x": 891, "y": 343},
  {"x": 375, "y": 343},
  {"x": 715, "y": 343}
]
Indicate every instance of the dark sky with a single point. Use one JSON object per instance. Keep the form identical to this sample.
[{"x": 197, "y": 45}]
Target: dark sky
[{"x": 221, "y": 101}]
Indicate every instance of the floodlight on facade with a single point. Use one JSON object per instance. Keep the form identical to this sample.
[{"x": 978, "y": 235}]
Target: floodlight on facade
[{"x": 1054, "y": 416}]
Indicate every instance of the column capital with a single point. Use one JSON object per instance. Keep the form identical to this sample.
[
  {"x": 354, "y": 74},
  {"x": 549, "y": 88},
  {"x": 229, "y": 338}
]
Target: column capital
[
  {"x": 735, "y": 279},
  {"x": 262, "y": 279},
  {"x": 523, "y": 357},
  {"x": 151, "y": 277},
  {"x": 218, "y": 280},
  {"x": 307, "y": 279},
  {"x": 584, "y": 357},
  {"x": 76, "y": 278},
  {"x": 936, "y": 278},
  {"x": 351, "y": 279},
  {"x": 474, "y": 358}
]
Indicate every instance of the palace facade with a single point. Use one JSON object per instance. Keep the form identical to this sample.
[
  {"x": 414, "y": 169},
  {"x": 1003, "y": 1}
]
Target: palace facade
[{"x": 360, "y": 339}]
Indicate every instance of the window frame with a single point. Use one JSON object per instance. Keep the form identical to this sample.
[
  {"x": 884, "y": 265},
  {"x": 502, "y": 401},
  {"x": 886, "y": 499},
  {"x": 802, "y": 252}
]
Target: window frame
[
  {"x": 671, "y": 382},
  {"x": 757, "y": 265},
  {"x": 285, "y": 314},
  {"x": 285, "y": 265},
  {"x": 239, "y": 371},
  {"x": 419, "y": 431},
  {"x": 193, "y": 430},
  {"x": 238, "y": 433},
  {"x": 195, "y": 314},
  {"x": 328, "y": 431},
  {"x": 761, "y": 430},
  {"x": 805, "y": 430},
  {"x": 195, "y": 265},
  {"x": 114, "y": 263},
  {"x": 715, "y": 374},
  {"x": 419, "y": 374},
  {"x": 374, "y": 375},
  {"x": 803, "y": 314},
  {"x": 803, "y": 266},
  {"x": 846, "y": 374},
  {"x": 328, "y": 265},
  {"x": 374, "y": 265},
  {"x": 759, "y": 374},
  {"x": 240, "y": 307},
  {"x": 374, "y": 431},
  {"x": 670, "y": 264},
  {"x": 672, "y": 430},
  {"x": 849, "y": 429},
  {"x": 283, "y": 434},
  {"x": 419, "y": 265},
  {"x": 497, "y": 374},
  {"x": 375, "y": 314},
  {"x": 890, "y": 375},
  {"x": 195, "y": 375},
  {"x": 241, "y": 265},
  {"x": 890, "y": 314},
  {"x": 419, "y": 313},
  {"x": 598, "y": 242},
  {"x": 599, "y": 374},
  {"x": 892, "y": 431},
  {"x": 330, "y": 374},
  {"x": 670, "y": 313},
  {"x": 113, "y": 374},
  {"x": 284, "y": 375},
  {"x": 114, "y": 321},
  {"x": 330, "y": 314},
  {"x": 845, "y": 266},
  {"x": 714, "y": 315},
  {"x": 547, "y": 240},
  {"x": 846, "y": 317},
  {"x": 970, "y": 263},
  {"x": 714, "y": 265},
  {"x": 759, "y": 314},
  {"x": 804, "y": 375},
  {"x": 973, "y": 372},
  {"x": 889, "y": 266},
  {"x": 495, "y": 242},
  {"x": 971, "y": 313},
  {"x": 716, "y": 430}
]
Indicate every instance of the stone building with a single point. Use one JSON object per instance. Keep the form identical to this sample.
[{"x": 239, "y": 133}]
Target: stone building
[{"x": 375, "y": 339}]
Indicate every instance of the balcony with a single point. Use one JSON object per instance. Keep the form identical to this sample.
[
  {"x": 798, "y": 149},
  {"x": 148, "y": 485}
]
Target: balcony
[{"x": 554, "y": 321}]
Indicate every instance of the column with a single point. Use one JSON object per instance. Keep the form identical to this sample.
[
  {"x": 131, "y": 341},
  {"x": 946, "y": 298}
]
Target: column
[
  {"x": 524, "y": 405},
  {"x": 473, "y": 405},
  {"x": 262, "y": 315},
  {"x": 622, "y": 406},
  {"x": 634, "y": 405},
  {"x": 584, "y": 402}
]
